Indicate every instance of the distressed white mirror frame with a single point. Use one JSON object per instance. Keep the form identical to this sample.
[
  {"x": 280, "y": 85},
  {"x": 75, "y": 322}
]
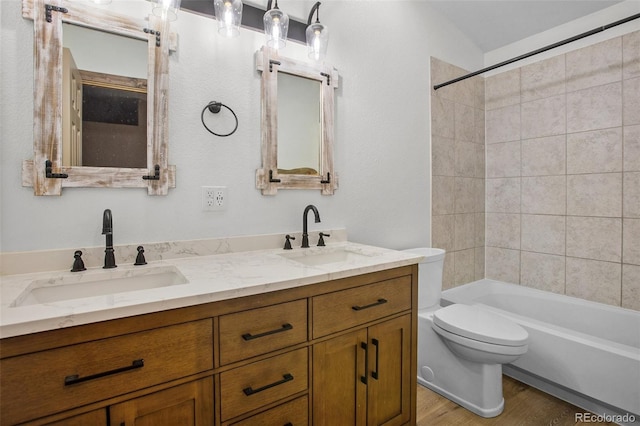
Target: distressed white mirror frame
[
  {"x": 47, "y": 126},
  {"x": 267, "y": 178}
]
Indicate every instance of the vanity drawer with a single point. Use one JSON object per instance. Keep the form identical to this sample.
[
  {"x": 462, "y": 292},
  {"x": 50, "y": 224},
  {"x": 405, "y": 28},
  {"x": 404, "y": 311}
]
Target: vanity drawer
[
  {"x": 51, "y": 381},
  {"x": 258, "y": 331},
  {"x": 254, "y": 385},
  {"x": 344, "y": 309},
  {"x": 295, "y": 413}
]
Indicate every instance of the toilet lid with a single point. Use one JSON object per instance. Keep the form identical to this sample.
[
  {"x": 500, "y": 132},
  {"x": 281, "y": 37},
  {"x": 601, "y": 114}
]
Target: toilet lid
[{"x": 475, "y": 323}]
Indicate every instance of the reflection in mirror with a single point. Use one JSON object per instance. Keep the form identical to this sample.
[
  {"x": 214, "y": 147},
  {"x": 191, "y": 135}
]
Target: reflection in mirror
[
  {"x": 104, "y": 99},
  {"x": 297, "y": 124},
  {"x": 299, "y": 130}
]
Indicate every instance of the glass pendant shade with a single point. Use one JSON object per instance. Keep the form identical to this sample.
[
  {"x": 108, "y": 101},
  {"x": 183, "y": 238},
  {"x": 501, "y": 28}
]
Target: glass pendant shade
[
  {"x": 276, "y": 26},
  {"x": 167, "y": 9},
  {"x": 317, "y": 41},
  {"x": 229, "y": 17}
]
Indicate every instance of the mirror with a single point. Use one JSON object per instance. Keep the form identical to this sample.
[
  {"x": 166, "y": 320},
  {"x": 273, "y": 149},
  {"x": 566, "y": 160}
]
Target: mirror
[
  {"x": 104, "y": 106},
  {"x": 297, "y": 124},
  {"x": 74, "y": 112}
]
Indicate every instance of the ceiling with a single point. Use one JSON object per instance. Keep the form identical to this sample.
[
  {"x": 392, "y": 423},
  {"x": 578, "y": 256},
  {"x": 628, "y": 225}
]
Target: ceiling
[{"x": 493, "y": 24}]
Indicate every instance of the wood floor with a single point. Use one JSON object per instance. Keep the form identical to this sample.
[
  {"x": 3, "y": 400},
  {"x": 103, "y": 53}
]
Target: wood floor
[{"x": 524, "y": 405}]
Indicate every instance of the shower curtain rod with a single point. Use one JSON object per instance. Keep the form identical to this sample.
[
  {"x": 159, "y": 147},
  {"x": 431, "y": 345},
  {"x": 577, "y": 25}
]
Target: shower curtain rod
[{"x": 543, "y": 49}]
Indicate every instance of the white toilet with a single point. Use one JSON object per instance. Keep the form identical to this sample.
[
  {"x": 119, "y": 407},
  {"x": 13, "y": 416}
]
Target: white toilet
[{"x": 461, "y": 348}]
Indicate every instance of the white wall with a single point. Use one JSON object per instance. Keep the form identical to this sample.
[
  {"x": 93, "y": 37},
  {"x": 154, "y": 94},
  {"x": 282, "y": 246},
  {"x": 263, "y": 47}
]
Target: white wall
[{"x": 382, "y": 136}]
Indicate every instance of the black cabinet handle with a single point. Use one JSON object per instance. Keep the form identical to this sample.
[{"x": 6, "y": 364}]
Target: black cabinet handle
[
  {"x": 379, "y": 302},
  {"x": 285, "y": 327},
  {"x": 375, "y": 343},
  {"x": 285, "y": 378},
  {"x": 363, "y": 379},
  {"x": 288, "y": 424},
  {"x": 72, "y": 380}
]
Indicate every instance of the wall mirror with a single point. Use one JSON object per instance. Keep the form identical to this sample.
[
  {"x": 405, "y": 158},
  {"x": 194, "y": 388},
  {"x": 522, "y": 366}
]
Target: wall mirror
[
  {"x": 100, "y": 119},
  {"x": 297, "y": 124}
]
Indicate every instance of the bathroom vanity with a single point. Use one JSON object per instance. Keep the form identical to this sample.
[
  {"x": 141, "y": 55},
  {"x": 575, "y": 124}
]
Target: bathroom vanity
[{"x": 319, "y": 336}]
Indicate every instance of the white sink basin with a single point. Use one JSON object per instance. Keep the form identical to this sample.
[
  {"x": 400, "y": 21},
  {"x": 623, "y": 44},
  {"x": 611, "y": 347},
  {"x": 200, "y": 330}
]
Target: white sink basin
[
  {"x": 322, "y": 257},
  {"x": 98, "y": 283}
]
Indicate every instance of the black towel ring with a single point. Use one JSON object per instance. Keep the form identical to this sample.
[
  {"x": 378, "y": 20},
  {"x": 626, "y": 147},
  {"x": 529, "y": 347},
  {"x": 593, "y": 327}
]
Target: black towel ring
[{"x": 215, "y": 107}]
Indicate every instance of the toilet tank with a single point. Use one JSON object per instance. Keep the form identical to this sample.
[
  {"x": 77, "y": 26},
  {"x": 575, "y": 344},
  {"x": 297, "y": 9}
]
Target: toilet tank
[{"x": 429, "y": 276}]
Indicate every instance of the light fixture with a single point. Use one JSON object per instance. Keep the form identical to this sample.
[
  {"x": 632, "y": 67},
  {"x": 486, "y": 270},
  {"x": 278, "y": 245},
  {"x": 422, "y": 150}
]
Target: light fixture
[
  {"x": 167, "y": 9},
  {"x": 317, "y": 35},
  {"x": 101, "y": 2},
  {"x": 229, "y": 16},
  {"x": 276, "y": 26}
]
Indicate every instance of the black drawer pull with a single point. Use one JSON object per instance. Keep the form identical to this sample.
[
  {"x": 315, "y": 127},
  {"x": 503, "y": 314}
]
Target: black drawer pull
[
  {"x": 288, "y": 424},
  {"x": 72, "y": 380},
  {"x": 285, "y": 327},
  {"x": 376, "y": 343},
  {"x": 379, "y": 302},
  {"x": 285, "y": 378}
]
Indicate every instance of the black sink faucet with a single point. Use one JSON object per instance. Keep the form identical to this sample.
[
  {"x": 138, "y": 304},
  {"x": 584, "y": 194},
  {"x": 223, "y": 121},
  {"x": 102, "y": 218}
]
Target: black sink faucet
[
  {"x": 305, "y": 235},
  {"x": 107, "y": 230}
]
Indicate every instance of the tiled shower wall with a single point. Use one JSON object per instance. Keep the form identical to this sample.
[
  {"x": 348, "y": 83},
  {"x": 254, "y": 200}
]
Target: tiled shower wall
[
  {"x": 563, "y": 174},
  {"x": 458, "y": 169}
]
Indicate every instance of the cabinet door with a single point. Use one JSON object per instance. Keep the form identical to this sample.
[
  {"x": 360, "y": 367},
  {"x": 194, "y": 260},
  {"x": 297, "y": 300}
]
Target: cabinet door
[
  {"x": 389, "y": 372},
  {"x": 94, "y": 418},
  {"x": 339, "y": 393},
  {"x": 190, "y": 404}
]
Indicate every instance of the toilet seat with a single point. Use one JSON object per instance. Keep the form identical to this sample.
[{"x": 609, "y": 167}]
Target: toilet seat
[
  {"x": 478, "y": 345},
  {"x": 471, "y": 322}
]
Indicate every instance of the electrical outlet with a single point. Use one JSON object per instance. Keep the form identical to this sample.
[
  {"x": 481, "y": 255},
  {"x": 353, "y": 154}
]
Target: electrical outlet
[{"x": 214, "y": 198}]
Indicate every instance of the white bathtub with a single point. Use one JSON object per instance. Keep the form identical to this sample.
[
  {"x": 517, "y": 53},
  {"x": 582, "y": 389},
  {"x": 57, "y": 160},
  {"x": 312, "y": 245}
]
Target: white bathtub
[{"x": 584, "y": 352}]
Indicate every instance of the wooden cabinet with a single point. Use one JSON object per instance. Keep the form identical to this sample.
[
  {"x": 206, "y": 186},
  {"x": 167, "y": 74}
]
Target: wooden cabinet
[
  {"x": 332, "y": 353},
  {"x": 371, "y": 367},
  {"x": 190, "y": 404}
]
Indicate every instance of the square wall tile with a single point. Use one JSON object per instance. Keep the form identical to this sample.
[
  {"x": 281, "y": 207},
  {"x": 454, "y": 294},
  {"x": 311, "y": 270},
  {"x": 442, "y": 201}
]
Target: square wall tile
[
  {"x": 442, "y": 117},
  {"x": 544, "y": 156},
  {"x": 594, "y": 280},
  {"x": 479, "y": 263},
  {"x": 502, "y": 89},
  {"x": 598, "y": 238},
  {"x": 631, "y": 203},
  {"x": 594, "y": 195},
  {"x": 464, "y": 123},
  {"x": 502, "y": 125},
  {"x": 464, "y": 267},
  {"x": 479, "y": 227},
  {"x": 442, "y": 197},
  {"x": 465, "y": 200},
  {"x": 448, "y": 270},
  {"x": 442, "y": 156},
  {"x": 544, "y": 195},
  {"x": 442, "y": 231},
  {"x": 598, "y": 107},
  {"x": 465, "y": 159},
  {"x": 544, "y": 117},
  {"x": 464, "y": 231},
  {"x": 503, "y": 230},
  {"x": 631, "y": 55},
  {"x": 478, "y": 117},
  {"x": 598, "y": 151},
  {"x": 543, "y": 271},
  {"x": 478, "y": 191},
  {"x": 543, "y": 79},
  {"x": 631, "y": 101},
  {"x": 502, "y": 264},
  {"x": 594, "y": 65},
  {"x": 631, "y": 241},
  {"x": 480, "y": 161},
  {"x": 503, "y": 159},
  {"x": 543, "y": 233},
  {"x": 631, "y": 287},
  {"x": 503, "y": 195},
  {"x": 631, "y": 149}
]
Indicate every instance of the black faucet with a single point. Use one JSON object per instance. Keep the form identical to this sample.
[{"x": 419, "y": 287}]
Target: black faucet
[
  {"x": 305, "y": 235},
  {"x": 107, "y": 229}
]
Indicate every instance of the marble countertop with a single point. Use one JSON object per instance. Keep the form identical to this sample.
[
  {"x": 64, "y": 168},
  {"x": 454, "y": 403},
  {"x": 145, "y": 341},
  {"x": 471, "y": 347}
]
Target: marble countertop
[{"x": 210, "y": 278}]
